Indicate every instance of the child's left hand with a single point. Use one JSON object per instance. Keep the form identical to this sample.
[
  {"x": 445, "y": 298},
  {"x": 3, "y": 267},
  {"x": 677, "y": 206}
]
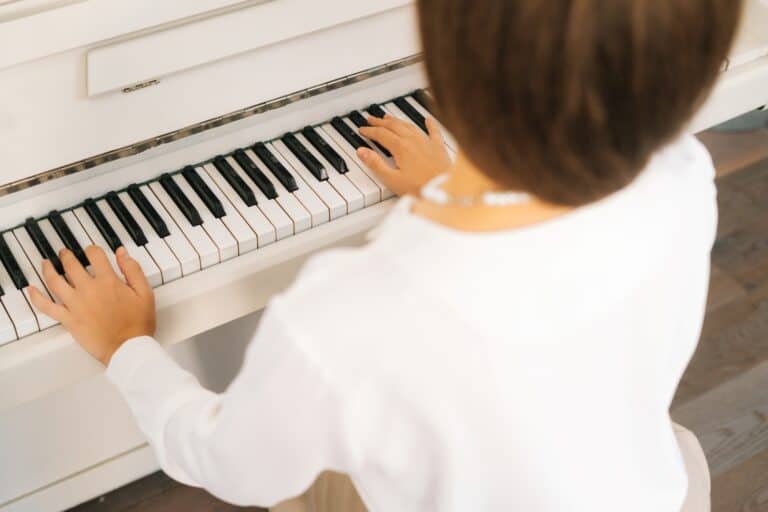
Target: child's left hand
[{"x": 100, "y": 311}]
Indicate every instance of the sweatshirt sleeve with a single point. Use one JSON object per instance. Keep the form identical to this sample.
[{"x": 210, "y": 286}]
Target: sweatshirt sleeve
[{"x": 264, "y": 440}]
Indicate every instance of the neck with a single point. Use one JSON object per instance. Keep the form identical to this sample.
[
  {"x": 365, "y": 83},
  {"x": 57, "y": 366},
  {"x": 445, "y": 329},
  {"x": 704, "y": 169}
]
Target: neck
[{"x": 465, "y": 179}]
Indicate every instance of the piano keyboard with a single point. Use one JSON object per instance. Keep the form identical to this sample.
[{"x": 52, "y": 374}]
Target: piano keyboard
[{"x": 204, "y": 214}]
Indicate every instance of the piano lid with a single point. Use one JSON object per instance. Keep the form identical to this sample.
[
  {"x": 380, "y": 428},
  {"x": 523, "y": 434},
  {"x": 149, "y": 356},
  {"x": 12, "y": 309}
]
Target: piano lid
[{"x": 112, "y": 73}]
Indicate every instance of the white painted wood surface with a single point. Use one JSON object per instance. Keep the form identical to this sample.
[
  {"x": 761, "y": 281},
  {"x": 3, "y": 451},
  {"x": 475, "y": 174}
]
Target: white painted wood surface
[
  {"x": 164, "y": 52},
  {"x": 48, "y": 120},
  {"x": 67, "y": 25},
  {"x": 82, "y": 441},
  {"x": 89, "y": 483}
]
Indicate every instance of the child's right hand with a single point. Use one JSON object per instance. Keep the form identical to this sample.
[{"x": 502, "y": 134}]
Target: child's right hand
[{"x": 418, "y": 157}]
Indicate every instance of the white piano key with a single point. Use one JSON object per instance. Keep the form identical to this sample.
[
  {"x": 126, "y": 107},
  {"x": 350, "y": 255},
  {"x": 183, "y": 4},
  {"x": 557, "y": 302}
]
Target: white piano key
[
  {"x": 95, "y": 236},
  {"x": 140, "y": 254},
  {"x": 176, "y": 241},
  {"x": 394, "y": 111},
  {"x": 351, "y": 153},
  {"x": 53, "y": 237},
  {"x": 301, "y": 217},
  {"x": 332, "y": 199},
  {"x": 196, "y": 235},
  {"x": 447, "y": 137},
  {"x": 16, "y": 306},
  {"x": 7, "y": 331},
  {"x": 77, "y": 229},
  {"x": 265, "y": 231},
  {"x": 352, "y": 196},
  {"x": 218, "y": 232},
  {"x": 166, "y": 261},
  {"x": 247, "y": 240},
  {"x": 270, "y": 208},
  {"x": 313, "y": 204},
  {"x": 31, "y": 269},
  {"x": 362, "y": 182},
  {"x": 30, "y": 249}
]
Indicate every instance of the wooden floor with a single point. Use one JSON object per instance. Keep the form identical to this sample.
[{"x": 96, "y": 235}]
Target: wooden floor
[{"x": 724, "y": 394}]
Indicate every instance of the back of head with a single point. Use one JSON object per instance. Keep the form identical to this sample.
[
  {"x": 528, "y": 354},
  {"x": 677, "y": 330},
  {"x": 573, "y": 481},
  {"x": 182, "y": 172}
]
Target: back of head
[{"x": 568, "y": 99}]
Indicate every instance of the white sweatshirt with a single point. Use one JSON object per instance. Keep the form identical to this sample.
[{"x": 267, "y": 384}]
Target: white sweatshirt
[{"x": 530, "y": 369}]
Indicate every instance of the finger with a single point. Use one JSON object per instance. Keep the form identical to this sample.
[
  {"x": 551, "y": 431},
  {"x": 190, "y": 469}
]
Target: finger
[
  {"x": 434, "y": 131},
  {"x": 374, "y": 161},
  {"x": 76, "y": 274},
  {"x": 383, "y": 136},
  {"x": 46, "y": 306},
  {"x": 389, "y": 122},
  {"x": 134, "y": 276},
  {"x": 100, "y": 265},
  {"x": 56, "y": 283}
]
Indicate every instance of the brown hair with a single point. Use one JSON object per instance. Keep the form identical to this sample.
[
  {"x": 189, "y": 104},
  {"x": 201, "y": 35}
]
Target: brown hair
[{"x": 568, "y": 99}]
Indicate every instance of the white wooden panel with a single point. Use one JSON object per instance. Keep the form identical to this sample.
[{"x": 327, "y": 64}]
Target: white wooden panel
[
  {"x": 77, "y": 428},
  {"x": 72, "y": 428},
  {"x": 739, "y": 90},
  {"x": 159, "y": 54},
  {"x": 47, "y": 119},
  {"x": 74, "y": 24},
  {"x": 88, "y": 484},
  {"x": 752, "y": 42}
]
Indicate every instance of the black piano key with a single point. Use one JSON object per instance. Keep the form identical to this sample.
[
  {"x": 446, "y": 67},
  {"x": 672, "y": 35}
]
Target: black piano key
[
  {"x": 325, "y": 149},
  {"x": 42, "y": 244},
  {"x": 424, "y": 100},
  {"x": 360, "y": 121},
  {"x": 93, "y": 211},
  {"x": 413, "y": 114},
  {"x": 182, "y": 202},
  {"x": 204, "y": 192},
  {"x": 349, "y": 135},
  {"x": 275, "y": 166},
  {"x": 66, "y": 235},
  {"x": 306, "y": 158},
  {"x": 253, "y": 172},
  {"x": 149, "y": 212},
  {"x": 235, "y": 181},
  {"x": 376, "y": 111},
  {"x": 12, "y": 266},
  {"x": 126, "y": 219}
]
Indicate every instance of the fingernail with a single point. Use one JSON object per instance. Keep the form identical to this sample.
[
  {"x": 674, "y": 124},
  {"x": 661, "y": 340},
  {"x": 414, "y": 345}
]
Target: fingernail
[
  {"x": 121, "y": 251},
  {"x": 363, "y": 153}
]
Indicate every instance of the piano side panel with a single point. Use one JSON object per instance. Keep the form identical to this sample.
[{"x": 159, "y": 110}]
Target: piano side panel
[{"x": 50, "y": 121}]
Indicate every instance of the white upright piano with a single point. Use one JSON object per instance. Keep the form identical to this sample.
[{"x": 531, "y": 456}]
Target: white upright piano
[{"x": 215, "y": 140}]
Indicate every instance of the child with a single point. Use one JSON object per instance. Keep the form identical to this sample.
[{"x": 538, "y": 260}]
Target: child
[{"x": 512, "y": 337}]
